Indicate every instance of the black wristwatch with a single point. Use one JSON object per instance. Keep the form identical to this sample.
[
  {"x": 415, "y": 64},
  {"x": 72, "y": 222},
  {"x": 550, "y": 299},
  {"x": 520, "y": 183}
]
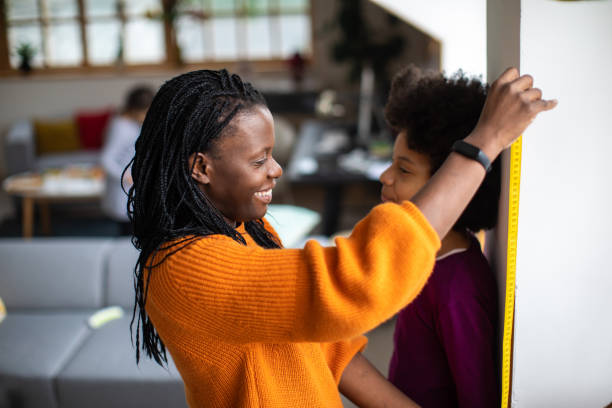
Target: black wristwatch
[{"x": 472, "y": 152}]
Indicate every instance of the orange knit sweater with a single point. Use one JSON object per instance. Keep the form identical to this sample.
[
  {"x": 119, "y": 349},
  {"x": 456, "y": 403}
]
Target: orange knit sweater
[{"x": 254, "y": 327}]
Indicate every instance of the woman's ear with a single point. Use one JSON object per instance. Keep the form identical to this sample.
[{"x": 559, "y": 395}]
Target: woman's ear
[{"x": 199, "y": 164}]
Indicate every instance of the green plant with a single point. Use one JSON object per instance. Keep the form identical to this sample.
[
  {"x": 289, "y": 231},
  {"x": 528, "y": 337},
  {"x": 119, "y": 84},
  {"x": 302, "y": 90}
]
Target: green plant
[{"x": 25, "y": 50}]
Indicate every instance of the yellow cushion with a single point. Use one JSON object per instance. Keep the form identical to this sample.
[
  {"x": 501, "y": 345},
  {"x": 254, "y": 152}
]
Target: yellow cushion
[{"x": 56, "y": 137}]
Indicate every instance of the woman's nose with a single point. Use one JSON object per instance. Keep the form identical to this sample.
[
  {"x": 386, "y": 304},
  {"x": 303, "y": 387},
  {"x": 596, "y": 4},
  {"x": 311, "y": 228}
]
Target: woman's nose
[{"x": 275, "y": 169}]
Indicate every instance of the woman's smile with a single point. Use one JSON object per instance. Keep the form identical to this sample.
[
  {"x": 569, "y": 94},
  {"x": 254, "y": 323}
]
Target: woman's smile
[{"x": 265, "y": 195}]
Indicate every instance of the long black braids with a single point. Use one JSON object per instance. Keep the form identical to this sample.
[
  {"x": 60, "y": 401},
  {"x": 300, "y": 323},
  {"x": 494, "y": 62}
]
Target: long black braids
[{"x": 165, "y": 206}]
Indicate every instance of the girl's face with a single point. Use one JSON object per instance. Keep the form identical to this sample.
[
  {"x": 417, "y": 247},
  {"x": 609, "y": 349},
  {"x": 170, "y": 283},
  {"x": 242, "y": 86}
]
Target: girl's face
[
  {"x": 408, "y": 172},
  {"x": 239, "y": 172}
]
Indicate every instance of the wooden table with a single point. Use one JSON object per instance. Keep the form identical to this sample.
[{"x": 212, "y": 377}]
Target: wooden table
[{"x": 68, "y": 184}]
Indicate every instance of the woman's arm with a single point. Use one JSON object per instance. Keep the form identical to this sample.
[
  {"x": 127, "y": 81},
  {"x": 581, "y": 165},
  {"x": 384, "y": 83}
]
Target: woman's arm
[
  {"x": 366, "y": 387},
  {"x": 246, "y": 294},
  {"x": 511, "y": 106},
  {"x": 240, "y": 293}
]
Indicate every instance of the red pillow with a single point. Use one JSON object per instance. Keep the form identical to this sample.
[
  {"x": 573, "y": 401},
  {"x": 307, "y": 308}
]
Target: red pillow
[{"x": 92, "y": 126}]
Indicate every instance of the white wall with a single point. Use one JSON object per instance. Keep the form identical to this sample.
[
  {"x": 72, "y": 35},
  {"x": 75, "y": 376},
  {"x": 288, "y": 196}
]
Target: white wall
[
  {"x": 563, "y": 328},
  {"x": 47, "y": 97},
  {"x": 460, "y": 26}
]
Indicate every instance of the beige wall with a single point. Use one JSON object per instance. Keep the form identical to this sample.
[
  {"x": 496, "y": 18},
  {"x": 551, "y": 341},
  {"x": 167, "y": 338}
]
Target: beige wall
[
  {"x": 459, "y": 26},
  {"x": 420, "y": 48}
]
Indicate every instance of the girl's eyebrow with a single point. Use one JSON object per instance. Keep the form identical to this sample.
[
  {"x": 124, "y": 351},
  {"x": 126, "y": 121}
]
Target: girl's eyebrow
[{"x": 404, "y": 158}]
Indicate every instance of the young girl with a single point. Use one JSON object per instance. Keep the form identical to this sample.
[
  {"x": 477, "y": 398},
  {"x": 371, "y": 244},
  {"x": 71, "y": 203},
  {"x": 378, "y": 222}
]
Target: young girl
[
  {"x": 445, "y": 340},
  {"x": 251, "y": 324}
]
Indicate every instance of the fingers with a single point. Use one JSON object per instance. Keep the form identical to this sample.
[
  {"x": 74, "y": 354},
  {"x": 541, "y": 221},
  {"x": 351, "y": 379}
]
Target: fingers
[
  {"x": 509, "y": 75},
  {"x": 544, "y": 105},
  {"x": 532, "y": 94},
  {"x": 523, "y": 83}
]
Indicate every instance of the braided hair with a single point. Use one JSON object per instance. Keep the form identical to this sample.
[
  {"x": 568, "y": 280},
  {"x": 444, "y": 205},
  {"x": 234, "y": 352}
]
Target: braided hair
[{"x": 167, "y": 209}]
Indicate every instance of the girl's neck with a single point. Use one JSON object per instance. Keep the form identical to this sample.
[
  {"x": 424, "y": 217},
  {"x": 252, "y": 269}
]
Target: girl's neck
[{"x": 454, "y": 240}]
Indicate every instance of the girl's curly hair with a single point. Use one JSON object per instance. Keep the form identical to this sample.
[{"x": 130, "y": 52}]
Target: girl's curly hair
[{"x": 436, "y": 111}]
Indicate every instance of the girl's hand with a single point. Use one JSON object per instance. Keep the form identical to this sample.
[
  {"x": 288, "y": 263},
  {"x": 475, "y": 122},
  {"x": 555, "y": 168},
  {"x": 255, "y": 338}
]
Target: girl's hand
[{"x": 366, "y": 387}]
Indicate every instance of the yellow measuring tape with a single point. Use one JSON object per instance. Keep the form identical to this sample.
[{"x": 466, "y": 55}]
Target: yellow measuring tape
[{"x": 513, "y": 210}]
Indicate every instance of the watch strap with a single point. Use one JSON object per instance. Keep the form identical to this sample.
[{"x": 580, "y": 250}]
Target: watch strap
[{"x": 470, "y": 151}]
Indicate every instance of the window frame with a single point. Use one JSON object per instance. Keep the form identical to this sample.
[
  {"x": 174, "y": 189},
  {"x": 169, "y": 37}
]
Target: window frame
[{"x": 169, "y": 63}]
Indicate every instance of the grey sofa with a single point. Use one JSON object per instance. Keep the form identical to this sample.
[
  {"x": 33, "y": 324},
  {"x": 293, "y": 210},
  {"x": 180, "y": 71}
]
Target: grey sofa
[
  {"x": 49, "y": 355},
  {"x": 20, "y": 152}
]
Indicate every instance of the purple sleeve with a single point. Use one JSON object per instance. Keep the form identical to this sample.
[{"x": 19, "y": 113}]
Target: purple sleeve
[{"x": 468, "y": 336}]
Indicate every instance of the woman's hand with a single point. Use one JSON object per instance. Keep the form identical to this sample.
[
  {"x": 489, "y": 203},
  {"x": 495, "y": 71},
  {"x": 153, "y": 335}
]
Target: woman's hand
[{"x": 512, "y": 104}]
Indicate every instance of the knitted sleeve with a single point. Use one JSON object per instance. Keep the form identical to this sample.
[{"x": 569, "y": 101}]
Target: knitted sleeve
[
  {"x": 340, "y": 353},
  {"x": 235, "y": 293}
]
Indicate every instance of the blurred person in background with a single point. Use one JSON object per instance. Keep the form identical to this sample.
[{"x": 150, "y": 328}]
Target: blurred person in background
[{"x": 118, "y": 150}]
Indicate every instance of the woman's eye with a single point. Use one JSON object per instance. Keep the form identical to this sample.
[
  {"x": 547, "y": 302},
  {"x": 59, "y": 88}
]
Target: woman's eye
[
  {"x": 260, "y": 163},
  {"x": 404, "y": 171}
]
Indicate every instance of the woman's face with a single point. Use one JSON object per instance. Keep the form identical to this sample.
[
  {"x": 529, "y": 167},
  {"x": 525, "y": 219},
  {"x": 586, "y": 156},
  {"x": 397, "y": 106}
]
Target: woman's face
[
  {"x": 408, "y": 172},
  {"x": 239, "y": 172}
]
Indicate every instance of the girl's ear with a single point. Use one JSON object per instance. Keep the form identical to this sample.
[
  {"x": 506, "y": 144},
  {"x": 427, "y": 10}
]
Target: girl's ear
[{"x": 200, "y": 165}]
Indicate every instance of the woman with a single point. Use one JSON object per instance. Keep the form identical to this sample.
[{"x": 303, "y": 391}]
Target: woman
[{"x": 246, "y": 322}]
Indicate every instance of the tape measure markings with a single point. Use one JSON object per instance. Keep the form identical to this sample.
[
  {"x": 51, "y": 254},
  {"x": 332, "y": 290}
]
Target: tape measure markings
[{"x": 513, "y": 210}]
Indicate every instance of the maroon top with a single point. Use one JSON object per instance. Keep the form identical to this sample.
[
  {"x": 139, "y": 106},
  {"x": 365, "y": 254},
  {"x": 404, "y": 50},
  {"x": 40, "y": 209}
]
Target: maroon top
[{"x": 445, "y": 341}]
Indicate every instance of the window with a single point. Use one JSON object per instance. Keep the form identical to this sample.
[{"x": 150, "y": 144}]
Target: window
[
  {"x": 106, "y": 33},
  {"x": 243, "y": 29}
]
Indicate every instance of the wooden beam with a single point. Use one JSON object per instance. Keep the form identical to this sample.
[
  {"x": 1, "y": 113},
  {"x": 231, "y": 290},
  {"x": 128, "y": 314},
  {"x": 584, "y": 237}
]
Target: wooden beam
[
  {"x": 5, "y": 60},
  {"x": 83, "y": 27}
]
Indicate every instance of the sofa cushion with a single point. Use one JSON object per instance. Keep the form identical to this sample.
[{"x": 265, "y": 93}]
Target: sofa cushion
[
  {"x": 103, "y": 373},
  {"x": 57, "y": 160},
  {"x": 56, "y": 136},
  {"x": 34, "y": 347},
  {"x": 52, "y": 273},
  {"x": 120, "y": 279},
  {"x": 91, "y": 127}
]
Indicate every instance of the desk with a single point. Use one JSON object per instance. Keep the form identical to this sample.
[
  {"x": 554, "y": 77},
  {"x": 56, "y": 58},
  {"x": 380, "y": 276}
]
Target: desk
[
  {"x": 331, "y": 170},
  {"x": 70, "y": 184}
]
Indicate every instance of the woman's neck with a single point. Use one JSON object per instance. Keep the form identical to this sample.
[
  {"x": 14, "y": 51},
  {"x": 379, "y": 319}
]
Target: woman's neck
[
  {"x": 454, "y": 240},
  {"x": 231, "y": 223}
]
